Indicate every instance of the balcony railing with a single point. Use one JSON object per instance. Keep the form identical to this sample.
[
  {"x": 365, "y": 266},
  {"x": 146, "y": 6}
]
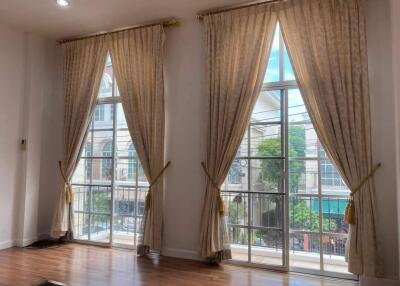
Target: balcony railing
[
  {"x": 263, "y": 231},
  {"x": 92, "y": 212}
]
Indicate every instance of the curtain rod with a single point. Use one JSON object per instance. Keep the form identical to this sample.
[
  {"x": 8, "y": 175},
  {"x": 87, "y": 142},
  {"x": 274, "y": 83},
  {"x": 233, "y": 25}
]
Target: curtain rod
[
  {"x": 165, "y": 22},
  {"x": 202, "y": 14}
]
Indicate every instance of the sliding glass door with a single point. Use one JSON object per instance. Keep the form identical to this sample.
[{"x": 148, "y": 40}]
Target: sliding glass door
[
  {"x": 285, "y": 200},
  {"x": 109, "y": 185}
]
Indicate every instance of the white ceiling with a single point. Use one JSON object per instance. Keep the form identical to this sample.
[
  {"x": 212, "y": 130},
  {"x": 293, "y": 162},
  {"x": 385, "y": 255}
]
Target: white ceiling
[{"x": 87, "y": 16}]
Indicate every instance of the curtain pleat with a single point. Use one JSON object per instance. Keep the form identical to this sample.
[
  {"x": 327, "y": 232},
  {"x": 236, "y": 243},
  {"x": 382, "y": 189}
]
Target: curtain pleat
[
  {"x": 84, "y": 63},
  {"x": 137, "y": 57},
  {"x": 326, "y": 41},
  {"x": 237, "y": 49}
]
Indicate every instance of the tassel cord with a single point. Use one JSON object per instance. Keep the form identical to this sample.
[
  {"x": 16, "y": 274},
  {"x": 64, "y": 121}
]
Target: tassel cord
[
  {"x": 350, "y": 212},
  {"x": 149, "y": 196},
  {"x": 69, "y": 196},
  {"x": 220, "y": 201}
]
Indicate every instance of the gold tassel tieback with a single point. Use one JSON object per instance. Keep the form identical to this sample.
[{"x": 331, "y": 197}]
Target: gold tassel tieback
[
  {"x": 147, "y": 203},
  {"x": 221, "y": 205},
  {"x": 220, "y": 201},
  {"x": 148, "y": 200},
  {"x": 69, "y": 196},
  {"x": 350, "y": 212}
]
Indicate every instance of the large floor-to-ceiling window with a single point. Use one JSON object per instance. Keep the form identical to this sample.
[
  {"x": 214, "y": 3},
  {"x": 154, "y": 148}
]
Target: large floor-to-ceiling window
[
  {"x": 285, "y": 200},
  {"x": 109, "y": 185}
]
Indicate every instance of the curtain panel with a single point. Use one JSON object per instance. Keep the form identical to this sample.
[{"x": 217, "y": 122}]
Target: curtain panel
[
  {"x": 84, "y": 62},
  {"x": 237, "y": 50},
  {"x": 137, "y": 57},
  {"x": 326, "y": 41}
]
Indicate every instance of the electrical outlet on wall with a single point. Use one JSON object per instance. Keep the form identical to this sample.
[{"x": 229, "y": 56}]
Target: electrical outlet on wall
[{"x": 23, "y": 144}]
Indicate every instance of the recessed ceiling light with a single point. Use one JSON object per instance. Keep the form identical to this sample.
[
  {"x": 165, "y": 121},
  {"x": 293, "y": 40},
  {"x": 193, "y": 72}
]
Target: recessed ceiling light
[{"x": 63, "y": 3}]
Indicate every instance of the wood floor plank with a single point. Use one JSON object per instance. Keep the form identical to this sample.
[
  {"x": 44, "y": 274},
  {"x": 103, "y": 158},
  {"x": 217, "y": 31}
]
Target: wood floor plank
[{"x": 82, "y": 265}]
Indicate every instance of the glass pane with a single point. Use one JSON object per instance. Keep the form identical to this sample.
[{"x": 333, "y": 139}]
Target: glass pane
[
  {"x": 236, "y": 208},
  {"x": 267, "y": 247},
  {"x": 303, "y": 141},
  {"x": 124, "y": 144},
  {"x": 267, "y": 175},
  {"x": 333, "y": 208},
  {"x": 83, "y": 172},
  {"x": 331, "y": 181},
  {"x": 106, "y": 85},
  {"x": 267, "y": 107},
  {"x": 266, "y": 140},
  {"x": 142, "y": 179},
  {"x": 81, "y": 226},
  {"x": 334, "y": 253},
  {"x": 243, "y": 150},
  {"x": 267, "y": 210},
  {"x": 81, "y": 198},
  {"x": 304, "y": 250},
  {"x": 121, "y": 121},
  {"x": 101, "y": 171},
  {"x": 126, "y": 170},
  {"x": 100, "y": 228},
  {"x": 124, "y": 215},
  {"x": 272, "y": 74},
  {"x": 102, "y": 143},
  {"x": 297, "y": 112},
  {"x": 237, "y": 179},
  {"x": 303, "y": 177},
  {"x": 101, "y": 200},
  {"x": 103, "y": 116},
  {"x": 124, "y": 201},
  {"x": 87, "y": 146},
  {"x": 124, "y": 230},
  {"x": 288, "y": 69},
  {"x": 304, "y": 213},
  {"x": 239, "y": 243}
]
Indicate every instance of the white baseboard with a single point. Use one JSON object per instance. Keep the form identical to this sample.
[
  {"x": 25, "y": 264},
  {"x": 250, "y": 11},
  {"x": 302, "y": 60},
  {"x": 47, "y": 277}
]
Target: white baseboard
[
  {"x": 182, "y": 253},
  {"x": 17, "y": 242},
  {"x": 368, "y": 281},
  {"x": 25, "y": 242},
  {"x": 6, "y": 244}
]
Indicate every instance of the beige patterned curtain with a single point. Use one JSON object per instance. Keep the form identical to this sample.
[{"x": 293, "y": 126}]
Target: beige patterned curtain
[
  {"x": 84, "y": 62},
  {"x": 326, "y": 40},
  {"x": 137, "y": 57},
  {"x": 238, "y": 44}
]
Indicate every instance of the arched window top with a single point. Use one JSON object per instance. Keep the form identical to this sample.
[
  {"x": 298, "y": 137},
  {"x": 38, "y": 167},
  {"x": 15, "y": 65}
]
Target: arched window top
[
  {"x": 106, "y": 81},
  {"x": 107, "y": 147}
]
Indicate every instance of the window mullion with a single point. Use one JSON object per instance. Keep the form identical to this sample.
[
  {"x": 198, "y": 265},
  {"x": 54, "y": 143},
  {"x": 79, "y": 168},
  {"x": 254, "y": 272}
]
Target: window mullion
[{"x": 113, "y": 164}]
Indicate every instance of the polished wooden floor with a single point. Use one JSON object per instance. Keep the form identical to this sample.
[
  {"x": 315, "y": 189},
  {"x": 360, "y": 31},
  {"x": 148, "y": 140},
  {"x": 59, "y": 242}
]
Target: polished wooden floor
[{"x": 82, "y": 265}]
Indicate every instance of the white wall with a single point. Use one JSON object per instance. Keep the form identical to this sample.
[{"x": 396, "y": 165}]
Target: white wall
[
  {"x": 185, "y": 137},
  {"x": 12, "y": 58},
  {"x": 395, "y": 21},
  {"x": 38, "y": 91},
  {"x": 383, "y": 129},
  {"x": 25, "y": 80},
  {"x": 52, "y": 146}
]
